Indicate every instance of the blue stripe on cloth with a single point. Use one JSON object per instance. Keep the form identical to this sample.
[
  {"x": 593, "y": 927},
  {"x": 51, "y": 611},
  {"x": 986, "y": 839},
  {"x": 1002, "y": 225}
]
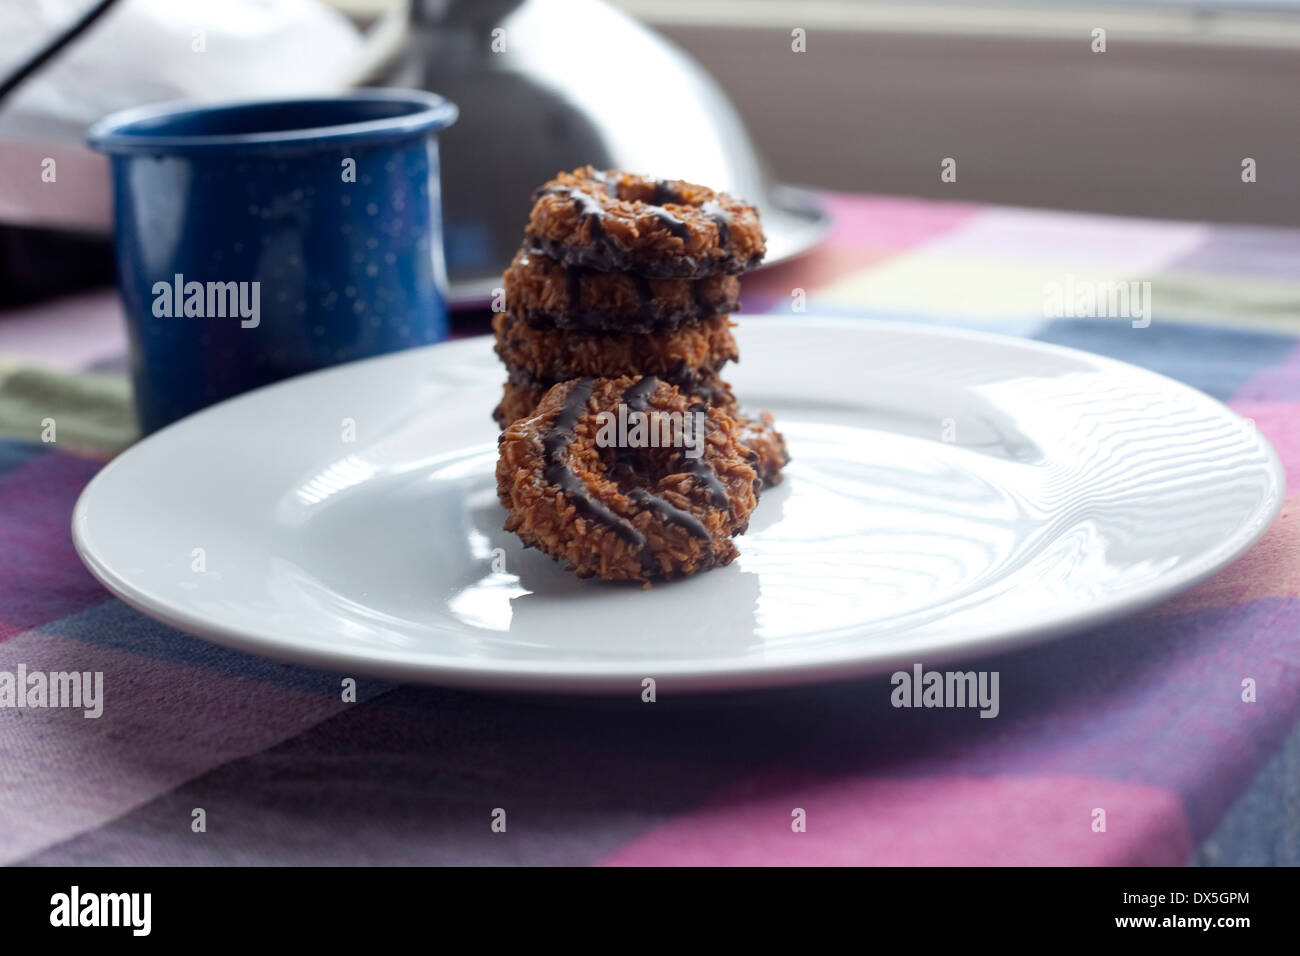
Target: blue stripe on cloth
[
  {"x": 15, "y": 454},
  {"x": 1218, "y": 361},
  {"x": 116, "y": 625},
  {"x": 1263, "y": 827}
]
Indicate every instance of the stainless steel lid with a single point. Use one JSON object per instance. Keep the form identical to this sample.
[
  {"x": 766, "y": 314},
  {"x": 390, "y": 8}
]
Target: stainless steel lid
[{"x": 547, "y": 85}]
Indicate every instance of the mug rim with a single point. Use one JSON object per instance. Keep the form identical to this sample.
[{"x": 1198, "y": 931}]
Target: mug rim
[{"x": 113, "y": 133}]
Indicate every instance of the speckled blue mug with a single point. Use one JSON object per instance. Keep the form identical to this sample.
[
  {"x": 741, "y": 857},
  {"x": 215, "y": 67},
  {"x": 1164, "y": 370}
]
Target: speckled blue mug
[{"x": 258, "y": 240}]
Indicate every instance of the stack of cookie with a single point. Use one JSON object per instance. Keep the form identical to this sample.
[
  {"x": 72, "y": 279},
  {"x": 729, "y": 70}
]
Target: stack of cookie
[
  {"x": 623, "y": 275},
  {"x": 619, "y": 301}
]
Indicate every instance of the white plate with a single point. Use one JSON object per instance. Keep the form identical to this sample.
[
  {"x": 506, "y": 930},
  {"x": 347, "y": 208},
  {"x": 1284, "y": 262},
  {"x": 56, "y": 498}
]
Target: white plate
[{"x": 951, "y": 494}]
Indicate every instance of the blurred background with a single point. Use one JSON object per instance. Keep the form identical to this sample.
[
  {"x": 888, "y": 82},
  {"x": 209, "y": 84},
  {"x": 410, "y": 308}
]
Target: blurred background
[
  {"x": 1157, "y": 125},
  {"x": 1137, "y": 108}
]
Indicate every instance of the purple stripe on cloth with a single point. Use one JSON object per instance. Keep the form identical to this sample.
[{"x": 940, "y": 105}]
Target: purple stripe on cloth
[
  {"x": 1144, "y": 720},
  {"x": 1158, "y": 701},
  {"x": 1261, "y": 251},
  {"x": 1144, "y": 717},
  {"x": 73, "y": 332},
  {"x": 162, "y": 723},
  {"x": 414, "y": 776},
  {"x": 41, "y": 577},
  {"x": 1134, "y": 247}
]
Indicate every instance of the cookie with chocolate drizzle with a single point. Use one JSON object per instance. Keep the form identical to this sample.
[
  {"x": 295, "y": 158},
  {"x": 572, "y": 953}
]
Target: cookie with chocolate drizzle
[
  {"x": 626, "y": 512},
  {"x": 766, "y": 448},
  {"x": 665, "y": 228},
  {"x": 524, "y": 391},
  {"x": 686, "y": 354},
  {"x": 546, "y": 294}
]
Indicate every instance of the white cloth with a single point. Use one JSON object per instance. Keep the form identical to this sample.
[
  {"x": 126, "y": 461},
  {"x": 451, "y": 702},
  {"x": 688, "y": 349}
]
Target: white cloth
[{"x": 146, "y": 51}]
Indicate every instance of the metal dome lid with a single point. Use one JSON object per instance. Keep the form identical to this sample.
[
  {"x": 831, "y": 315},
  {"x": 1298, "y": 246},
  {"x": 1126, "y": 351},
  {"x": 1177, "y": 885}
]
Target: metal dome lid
[{"x": 549, "y": 85}]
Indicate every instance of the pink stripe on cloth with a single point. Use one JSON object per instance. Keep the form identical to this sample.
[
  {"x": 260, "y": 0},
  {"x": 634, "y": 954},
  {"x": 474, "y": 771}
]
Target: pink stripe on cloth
[
  {"x": 163, "y": 723},
  {"x": 41, "y": 577},
  {"x": 1272, "y": 567},
  {"x": 825, "y": 265},
  {"x": 69, "y": 333},
  {"x": 924, "y": 821},
  {"x": 1279, "y": 422},
  {"x": 892, "y": 223},
  {"x": 1034, "y": 237}
]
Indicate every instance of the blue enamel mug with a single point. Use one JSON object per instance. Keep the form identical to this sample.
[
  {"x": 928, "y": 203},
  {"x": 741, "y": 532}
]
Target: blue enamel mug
[{"x": 259, "y": 240}]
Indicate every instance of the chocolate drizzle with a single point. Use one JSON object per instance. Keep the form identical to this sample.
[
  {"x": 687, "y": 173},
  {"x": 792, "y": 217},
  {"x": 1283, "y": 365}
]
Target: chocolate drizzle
[
  {"x": 644, "y": 294},
  {"x": 700, "y": 469},
  {"x": 700, "y": 294},
  {"x": 644, "y": 311},
  {"x": 675, "y": 226},
  {"x": 558, "y": 472},
  {"x": 713, "y": 394},
  {"x": 664, "y": 193},
  {"x": 610, "y": 183},
  {"x": 605, "y": 256},
  {"x": 573, "y": 287},
  {"x": 693, "y": 381},
  {"x": 606, "y": 252},
  {"x": 637, "y": 396},
  {"x": 589, "y": 208},
  {"x": 671, "y": 513},
  {"x": 722, "y": 219},
  {"x": 573, "y": 290}
]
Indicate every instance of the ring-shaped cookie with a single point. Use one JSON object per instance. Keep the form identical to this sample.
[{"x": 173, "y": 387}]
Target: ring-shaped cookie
[
  {"x": 618, "y": 222},
  {"x": 549, "y": 295},
  {"x": 690, "y": 353},
  {"x": 618, "y": 508}
]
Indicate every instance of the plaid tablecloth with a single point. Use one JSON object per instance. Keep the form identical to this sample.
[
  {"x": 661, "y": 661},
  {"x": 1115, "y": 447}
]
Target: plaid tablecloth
[{"x": 1144, "y": 719}]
